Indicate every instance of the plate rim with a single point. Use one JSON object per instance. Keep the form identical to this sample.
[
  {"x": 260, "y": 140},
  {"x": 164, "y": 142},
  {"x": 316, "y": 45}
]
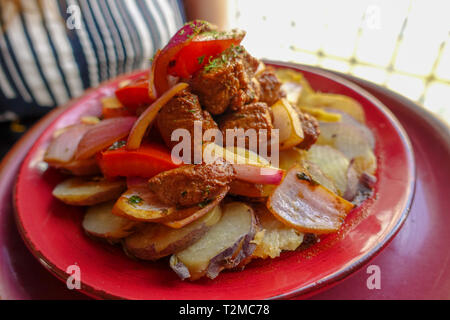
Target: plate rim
[
  {"x": 304, "y": 291},
  {"x": 338, "y": 276}
]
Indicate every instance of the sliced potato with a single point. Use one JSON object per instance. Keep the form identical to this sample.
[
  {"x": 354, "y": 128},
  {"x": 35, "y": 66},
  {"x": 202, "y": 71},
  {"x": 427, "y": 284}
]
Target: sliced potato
[
  {"x": 87, "y": 192},
  {"x": 344, "y": 137},
  {"x": 294, "y": 156},
  {"x": 354, "y": 142},
  {"x": 286, "y": 120},
  {"x": 352, "y": 183},
  {"x": 224, "y": 246},
  {"x": 332, "y": 163},
  {"x": 365, "y": 163},
  {"x": 155, "y": 241},
  {"x": 364, "y": 130},
  {"x": 275, "y": 236},
  {"x": 140, "y": 204},
  {"x": 318, "y": 176},
  {"x": 288, "y": 158},
  {"x": 235, "y": 155},
  {"x": 321, "y": 114},
  {"x": 306, "y": 206},
  {"x": 250, "y": 156},
  {"x": 336, "y": 101},
  {"x": 100, "y": 222}
]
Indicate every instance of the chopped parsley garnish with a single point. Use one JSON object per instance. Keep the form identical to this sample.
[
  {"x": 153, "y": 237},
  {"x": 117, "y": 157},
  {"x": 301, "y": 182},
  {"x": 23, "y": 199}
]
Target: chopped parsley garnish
[
  {"x": 192, "y": 111},
  {"x": 200, "y": 59},
  {"x": 184, "y": 193},
  {"x": 134, "y": 200},
  {"x": 207, "y": 190},
  {"x": 303, "y": 176},
  {"x": 204, "y": 203},
  {"x": 224, "y": 58},
  {"x": 117, "y": 145},
  {"x": 216, "y": 63}
]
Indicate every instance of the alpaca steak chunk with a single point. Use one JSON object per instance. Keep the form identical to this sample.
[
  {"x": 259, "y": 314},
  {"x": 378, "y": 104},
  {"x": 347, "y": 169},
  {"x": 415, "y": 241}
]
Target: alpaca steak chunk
[
  {"x": 192, "y": 184},
  {"x": 311, "y": 130},
  {"x": 270, "y": 86},
  {"x": 251, "y": 116},
  {"x": 180, "y": 113},
  {"x": 227, "y": 82}
]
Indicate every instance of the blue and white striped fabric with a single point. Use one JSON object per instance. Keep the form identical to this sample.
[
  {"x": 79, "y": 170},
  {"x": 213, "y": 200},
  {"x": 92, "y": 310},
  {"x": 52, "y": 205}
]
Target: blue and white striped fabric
[{"x": 53, "y": 50}]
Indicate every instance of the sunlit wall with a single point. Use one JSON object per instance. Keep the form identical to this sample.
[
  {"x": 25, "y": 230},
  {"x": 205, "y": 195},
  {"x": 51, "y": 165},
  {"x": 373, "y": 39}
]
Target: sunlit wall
[{"x": 401, "y": 44}]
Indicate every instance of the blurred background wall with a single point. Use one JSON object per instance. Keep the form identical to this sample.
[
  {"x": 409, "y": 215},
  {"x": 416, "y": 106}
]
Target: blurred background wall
[{"x": 400, "y": 44}]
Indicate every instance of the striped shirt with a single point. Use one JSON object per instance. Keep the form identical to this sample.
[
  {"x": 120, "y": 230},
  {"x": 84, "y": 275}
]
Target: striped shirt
[{"x": 52, "y": 52}]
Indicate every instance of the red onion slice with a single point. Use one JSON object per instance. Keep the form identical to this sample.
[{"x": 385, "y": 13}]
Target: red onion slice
[
  {"x": 63, "y": 147},
  {"x": 258, "y": 174},
  {"x": 104, "y": 134}
]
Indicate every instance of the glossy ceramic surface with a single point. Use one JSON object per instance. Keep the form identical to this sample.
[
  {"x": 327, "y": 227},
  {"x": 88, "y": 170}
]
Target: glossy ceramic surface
[{"x": 52, "y": 230}]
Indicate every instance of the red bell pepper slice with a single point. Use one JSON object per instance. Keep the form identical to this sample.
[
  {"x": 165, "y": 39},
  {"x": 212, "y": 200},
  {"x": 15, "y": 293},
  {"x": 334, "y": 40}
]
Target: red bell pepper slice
[
  {"x": 135, "y": 94},
  {"x": 116, "y": 112},
  {"x": 201, "y": 50},
  {"x": 147, "y": 161}
]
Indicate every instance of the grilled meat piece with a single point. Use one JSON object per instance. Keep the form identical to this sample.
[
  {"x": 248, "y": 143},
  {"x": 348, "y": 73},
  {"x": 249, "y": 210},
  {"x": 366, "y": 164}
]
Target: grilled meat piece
[
  {"x": 311, "y": 130},
  {"x": 251, "y": 116},
  {"x": 227, "y": 81},
  {"x": 270, "y": 86},
  {"x": 180, "y": 113},
  {"x": 192, "y": 184}
]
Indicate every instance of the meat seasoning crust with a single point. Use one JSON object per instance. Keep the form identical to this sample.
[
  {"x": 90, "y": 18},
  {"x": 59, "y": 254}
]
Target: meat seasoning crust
[
  {"x": 227, "y": 81},
  {"x": 251, "y": 116},
  {"x": 192, "y": 184},
  {"x": 180, "y": 113},
  {"x": 270, "y": 86},
  {"x": 311, "y": 130}
]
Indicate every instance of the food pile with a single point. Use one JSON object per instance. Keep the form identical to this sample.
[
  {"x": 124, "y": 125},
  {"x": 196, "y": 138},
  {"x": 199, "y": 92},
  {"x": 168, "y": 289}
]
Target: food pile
[{"x": 208, "y": 216}]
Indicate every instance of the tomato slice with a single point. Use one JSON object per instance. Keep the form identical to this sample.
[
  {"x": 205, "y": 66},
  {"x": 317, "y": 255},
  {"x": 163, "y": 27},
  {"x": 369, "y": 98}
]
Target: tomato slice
[
  {"x": 150, "y": 159},
  {"x": 161, "y": 62},
  {"x": 204, "y": 47},
  {"x": 135, "y": 94}
]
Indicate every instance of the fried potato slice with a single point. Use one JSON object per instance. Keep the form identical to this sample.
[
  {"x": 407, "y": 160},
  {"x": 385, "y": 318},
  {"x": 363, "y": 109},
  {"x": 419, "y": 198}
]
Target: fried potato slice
[
  {"x": 224, "y": 246},
  {"x": 295, "y": 156},
  {"x": 332, "y": 163},
  {"x": 155, "y": 241},
  {"x": 338, "y": 102},
  {"x": 100, "y": 222},
  {"x": 141, "y": 204},
  {"x": 355, "y": 141},
  {"x": 294, "y": 84},
  {"x": 87, "y": 192}
]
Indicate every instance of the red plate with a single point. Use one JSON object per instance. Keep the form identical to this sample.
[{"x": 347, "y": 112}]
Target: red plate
[{"x": 53, "y": 233}]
